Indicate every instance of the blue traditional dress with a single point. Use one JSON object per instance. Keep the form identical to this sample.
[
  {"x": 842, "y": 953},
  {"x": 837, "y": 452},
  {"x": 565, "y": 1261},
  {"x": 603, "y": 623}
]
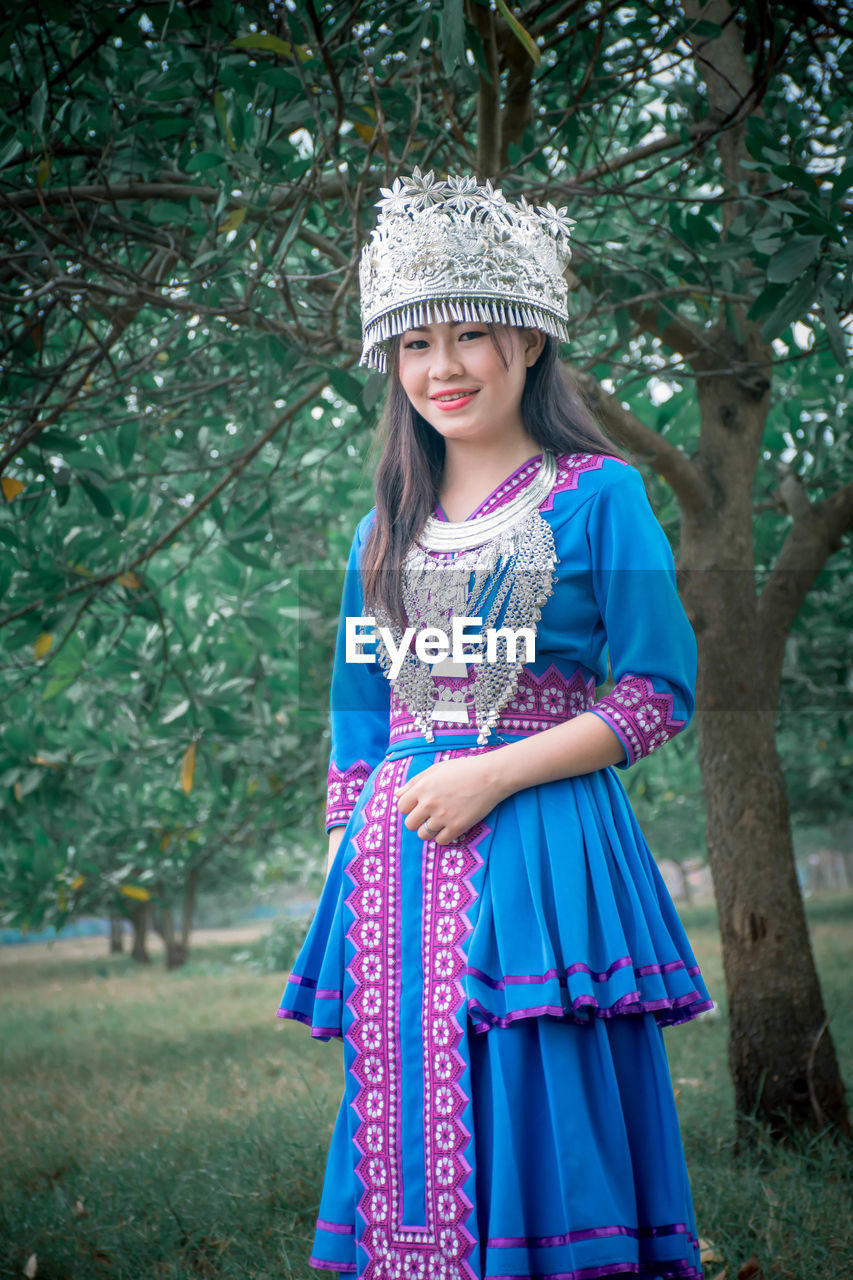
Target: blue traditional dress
[{"x": 508, "y": 1109}]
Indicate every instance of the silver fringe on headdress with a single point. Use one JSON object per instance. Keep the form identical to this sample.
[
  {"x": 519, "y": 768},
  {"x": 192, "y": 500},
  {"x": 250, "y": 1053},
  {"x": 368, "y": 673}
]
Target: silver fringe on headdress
[{"x": 460, "y": 251}]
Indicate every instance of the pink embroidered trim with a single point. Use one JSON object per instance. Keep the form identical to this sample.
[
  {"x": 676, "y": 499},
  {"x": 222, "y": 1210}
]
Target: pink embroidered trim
[
  {"x": 570, "y": 468},
  {"x": 640, "y": 715},
  {"x": 539, "y": 702},
  {"x": 442, "y": 1247},
  {"x": 343, "y": 790}
]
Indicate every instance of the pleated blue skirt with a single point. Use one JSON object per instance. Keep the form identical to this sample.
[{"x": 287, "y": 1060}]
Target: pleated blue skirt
[{"x": 508, "y": 1108}]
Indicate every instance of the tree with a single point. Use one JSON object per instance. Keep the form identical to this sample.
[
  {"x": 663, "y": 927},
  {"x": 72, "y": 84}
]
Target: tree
[{"x": 185, "y": 194}]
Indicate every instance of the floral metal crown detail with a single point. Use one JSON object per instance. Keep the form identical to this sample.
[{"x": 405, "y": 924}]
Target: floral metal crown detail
[{"x": 459, "y": 250}]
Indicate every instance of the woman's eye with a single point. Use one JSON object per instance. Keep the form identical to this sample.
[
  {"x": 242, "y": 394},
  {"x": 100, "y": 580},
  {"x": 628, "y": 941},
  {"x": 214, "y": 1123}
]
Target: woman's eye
[
  {"x": 416, "y": 344},
  {"x": 472, "y": 333}
]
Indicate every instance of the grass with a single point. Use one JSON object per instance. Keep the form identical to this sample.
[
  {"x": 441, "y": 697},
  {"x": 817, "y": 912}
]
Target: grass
[{"x": 167, "y": 1126}]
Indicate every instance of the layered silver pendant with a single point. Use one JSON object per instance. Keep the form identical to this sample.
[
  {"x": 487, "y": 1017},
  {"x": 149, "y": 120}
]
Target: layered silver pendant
[{"x": 499, "y": 568}]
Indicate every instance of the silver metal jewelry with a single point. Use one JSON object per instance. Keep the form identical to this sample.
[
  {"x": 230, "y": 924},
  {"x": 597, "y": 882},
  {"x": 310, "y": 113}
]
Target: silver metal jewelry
[
  {"x": 504, "y": 575},
  {"x": 456, "y": 535},
  {"x": 429, "y": 829},
  {"x": 460, "y": 251}
]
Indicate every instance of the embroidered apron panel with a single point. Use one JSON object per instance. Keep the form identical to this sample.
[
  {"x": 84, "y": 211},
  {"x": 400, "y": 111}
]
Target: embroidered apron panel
[{"x": 444, "y": 1245}]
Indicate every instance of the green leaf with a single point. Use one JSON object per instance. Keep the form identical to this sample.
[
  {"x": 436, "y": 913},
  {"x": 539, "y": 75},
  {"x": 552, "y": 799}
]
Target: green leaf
[
  {"x": 834, "y": 332},
  {"x": 793, "y": 306},
  {"x": 97, "y": 497},
  {"x": 220, "y": 106},
  {"x": 159, "y": 212},
  {"x": 798, "y": 176},
  {"x": 451, "y": 28},
  {"x": 9, "y": 151},
  {"x": 127, "y": 436},
  {"x": 841, "y": 183},
  {"x": 54, "y": 687},
  {"x": 177, "y": 711},
  {"x": 768, "y": 243},
  {"x": 346, "y": 385},
  {"x": 280, "y": 78},
  {"x": 375, "y": 386},
  {"x": 38, "y": 105},
  {"x": 790, "y": 263},
  {"x": 203, "y": 160},
  {"x": 58, "y": 441},
  {"x": 62, "y": 485},
  {"x": 167, "y": 127},
  {"x": 267, "y": 632},
  {"x": 263, "y": 41},
  {"x": 239, "y": 552},
  {"x": 519, "y": 32}
]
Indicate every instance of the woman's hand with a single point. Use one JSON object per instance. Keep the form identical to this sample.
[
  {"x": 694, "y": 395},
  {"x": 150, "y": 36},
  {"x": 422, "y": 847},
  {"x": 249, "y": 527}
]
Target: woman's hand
[{"x": 450, "y": 797}]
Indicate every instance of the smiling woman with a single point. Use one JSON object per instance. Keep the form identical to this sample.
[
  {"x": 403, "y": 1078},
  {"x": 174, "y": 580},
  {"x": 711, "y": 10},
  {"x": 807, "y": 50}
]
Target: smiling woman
[{"x": 494, "y": 944}]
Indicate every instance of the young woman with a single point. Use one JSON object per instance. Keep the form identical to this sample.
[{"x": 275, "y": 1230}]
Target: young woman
[{"x": 494, "y": 943}]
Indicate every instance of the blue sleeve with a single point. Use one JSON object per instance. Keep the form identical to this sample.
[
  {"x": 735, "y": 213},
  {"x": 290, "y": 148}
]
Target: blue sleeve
[
  {"x": 360, "y": 703},
  {"x": 650, "y": 641}
]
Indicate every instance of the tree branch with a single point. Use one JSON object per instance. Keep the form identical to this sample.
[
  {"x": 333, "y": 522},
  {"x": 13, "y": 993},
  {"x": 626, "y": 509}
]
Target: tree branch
[
  {"x": 646, "y": 445},
  {"x": 488, "y": 96},
  {"x": 814, "y": 536},
  {"x": 733, "y": 91},
  {"x": 169, "y": 536},
  {"x": 642, "y": 151},
  {"x": 175, "y": 187},
  {"x": 158, "y": 265},
  {"x": 516, "y": 112}
]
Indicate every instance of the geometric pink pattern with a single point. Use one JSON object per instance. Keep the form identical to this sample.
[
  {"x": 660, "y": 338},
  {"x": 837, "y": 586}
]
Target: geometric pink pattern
[
  {"x": 642, "y": 716},
  {"x": 343, "y": 790},
  {"x": 539, "y": 702},
  {"x": 440, "y": 1248},
  {"x": 570, "y": 466}
]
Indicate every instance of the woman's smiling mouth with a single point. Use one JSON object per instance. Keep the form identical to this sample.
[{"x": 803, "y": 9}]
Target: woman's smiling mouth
[{"x": 452, "y": 399}]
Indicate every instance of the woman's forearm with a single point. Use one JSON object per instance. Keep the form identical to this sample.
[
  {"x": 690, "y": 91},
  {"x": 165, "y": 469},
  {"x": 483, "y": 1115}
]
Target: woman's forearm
[
  {"x": 580, "y": 745},
  {"x": 335, "y": 837}
]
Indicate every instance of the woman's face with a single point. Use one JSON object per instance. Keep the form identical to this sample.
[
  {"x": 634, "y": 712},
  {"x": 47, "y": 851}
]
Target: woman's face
[{"x": 455, "y": 377}]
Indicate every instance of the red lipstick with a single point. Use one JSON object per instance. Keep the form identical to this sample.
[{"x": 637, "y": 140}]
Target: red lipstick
[{"x": 462, "y": 397}]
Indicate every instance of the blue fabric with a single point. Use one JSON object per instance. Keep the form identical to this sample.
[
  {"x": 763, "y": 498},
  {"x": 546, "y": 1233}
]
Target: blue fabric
[
  {"x": 570, "y": 957},
  {"x": 577, "y": 1152}
]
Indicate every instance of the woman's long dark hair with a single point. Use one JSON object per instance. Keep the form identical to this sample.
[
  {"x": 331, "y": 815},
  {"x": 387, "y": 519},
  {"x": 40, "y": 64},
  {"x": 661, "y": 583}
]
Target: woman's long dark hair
[{"x": 409, "y": 471}]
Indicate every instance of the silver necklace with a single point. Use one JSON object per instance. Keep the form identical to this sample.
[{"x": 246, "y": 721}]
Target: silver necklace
[
  {"x": 453, "y": 535},
  {"x": 502, "y": 571}
]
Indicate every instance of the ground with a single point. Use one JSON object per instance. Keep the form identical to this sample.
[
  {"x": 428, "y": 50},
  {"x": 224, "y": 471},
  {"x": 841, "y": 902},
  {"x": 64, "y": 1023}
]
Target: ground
[{"x": 167, "y": 1125}]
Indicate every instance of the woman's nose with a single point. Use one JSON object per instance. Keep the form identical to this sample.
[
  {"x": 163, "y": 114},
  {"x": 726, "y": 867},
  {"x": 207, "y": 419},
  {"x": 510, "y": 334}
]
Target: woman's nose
[{"x": 445, "y": 360}]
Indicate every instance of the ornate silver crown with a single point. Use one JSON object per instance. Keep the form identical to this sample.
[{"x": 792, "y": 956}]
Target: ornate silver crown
[{"x": 459, "y": 250}]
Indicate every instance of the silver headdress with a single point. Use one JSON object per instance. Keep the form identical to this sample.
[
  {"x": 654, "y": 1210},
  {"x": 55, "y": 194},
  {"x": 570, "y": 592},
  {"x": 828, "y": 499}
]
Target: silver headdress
[{"x": 459, "y": 250}]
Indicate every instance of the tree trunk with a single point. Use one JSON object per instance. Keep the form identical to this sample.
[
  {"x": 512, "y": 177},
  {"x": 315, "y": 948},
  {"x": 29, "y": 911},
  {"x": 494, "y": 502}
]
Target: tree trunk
[
  {"x": 189, "y": 908},
  {"x": 116, "y": 935},
  {"x": 176, "y": 954},
  {"x": 781, "y": 1055},
  {"x": 138, "y": 912},
  {"x": 782, "y": 1059},
  {"x": 176, "y": 949}
]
